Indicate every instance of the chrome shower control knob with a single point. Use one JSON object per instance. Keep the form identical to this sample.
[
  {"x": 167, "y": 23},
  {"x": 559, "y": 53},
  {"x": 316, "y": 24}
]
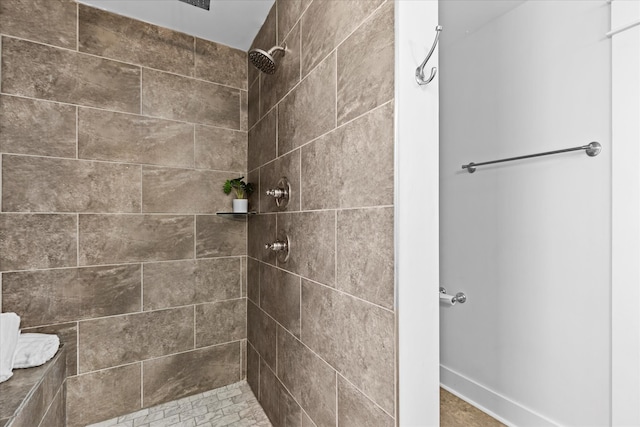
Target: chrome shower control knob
[
  {"x": 276, "y": 246},
  {"x": 281, "y": 193},
  {"x": 281, "y": 247},
  {"x": 278, "y": 193}
]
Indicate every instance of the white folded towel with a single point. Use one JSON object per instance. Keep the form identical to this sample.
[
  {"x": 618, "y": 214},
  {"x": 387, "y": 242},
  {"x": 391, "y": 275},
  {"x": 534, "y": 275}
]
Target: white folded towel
[
  {"x": 9, "y": 332},
  {"x": 35, "y": 349}
]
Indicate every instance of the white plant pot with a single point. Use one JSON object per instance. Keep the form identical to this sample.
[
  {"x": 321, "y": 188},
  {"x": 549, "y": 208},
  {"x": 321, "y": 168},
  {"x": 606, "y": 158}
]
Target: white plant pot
[{"x": 240, "y": 205}]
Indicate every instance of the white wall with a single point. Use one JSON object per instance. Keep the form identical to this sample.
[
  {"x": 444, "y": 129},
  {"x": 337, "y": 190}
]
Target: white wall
[
  {"x": 416, "y": 217},
  {"x": 528, "y": 241}
]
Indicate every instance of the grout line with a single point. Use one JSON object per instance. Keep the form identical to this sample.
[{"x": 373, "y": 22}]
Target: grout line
[
  {"x": 194, "y": 327},
  {"x": 77, "y": 241},
  {"x": 335, "y": 251},
  {"x": 141, "y": 385},
  {"x": 77, "y": 27},
  {"x": 336, "y": 397},
  {"x": 141, "y": 287},
  {"x": 77, "y": 347},
  {"x": 141, "y": 92},
  {"x": 77, "y": 133}
]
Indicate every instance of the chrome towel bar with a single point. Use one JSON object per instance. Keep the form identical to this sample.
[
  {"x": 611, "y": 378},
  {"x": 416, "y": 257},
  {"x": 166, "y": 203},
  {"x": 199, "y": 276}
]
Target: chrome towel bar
[{"x": 592, "y": 150}]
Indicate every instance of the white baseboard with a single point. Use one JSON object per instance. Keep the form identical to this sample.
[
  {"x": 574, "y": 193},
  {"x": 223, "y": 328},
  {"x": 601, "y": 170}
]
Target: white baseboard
[{"x": 498, "y": 406}]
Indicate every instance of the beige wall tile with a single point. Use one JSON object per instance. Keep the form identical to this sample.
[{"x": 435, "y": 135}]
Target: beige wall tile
[
  {"x": 56, "y": 415},
  {"x": 280, "y": 297},
  {"x": 118, "y": 340},
  {"x": 325, "y": 24},
  {"x": 177, "y": 283},
  {"x": 108, "y": 239},
  {"x": 28, "y": 126},
  {"x": 44, "y": 72},
  {"x": 364, "y": 62},
  {"x": 125, "y": 39},
  {"x": 262, "y": 141},
  {"x": 360, "y": 154},
  {"x": 365, "y": 254},
  {"x": 289, "y": 12},
  {"x": 261, "y": 333},
  {"x": 221, "y": 322},
  {"x": 37, "y": 241},
  {"x": 222, "y": 64},
  {"x": 273, "y": 87},
  {"x": 355, "y": 337},
  {"x": 166, "y": 190},
  {"x": 105, "y": 135},
  {"x": 47, "y": 21},
  {"x": 270, "y": 174},
  {"x": 278, "y": 404},
  {"x": 311, "y": 381},
  {"x": 172, "y": 377},
  {"x": 220, "y": 236},
  {"x": 312, "y": 236},
  {"x": 309, "y": 110},
  {"x": 40, "y": 184},
  {"x": 220, "y": 149},
  {"x": 68, "y": 334},
  {"x": 244, "y": 110},
  {"x": 194, "y": 101},
  {"x": 69, "y": 294},
  {"x": 354, "y": 409},
  {"x": 102, "y": 395}
]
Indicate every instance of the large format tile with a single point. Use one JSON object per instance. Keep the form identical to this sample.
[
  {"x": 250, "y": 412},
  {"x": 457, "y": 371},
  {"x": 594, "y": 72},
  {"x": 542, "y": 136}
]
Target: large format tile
[
  {"x": 280, "y": 297},
  {"x": 289, "y": 12},
  {"x": 39, "y": 71},
  {"x": 168, "y": 190},
  {"x": 253, "y": 280},
  {"x": 47, "y": 21},
  {"x": 311, "y": 381},
  {"x": 262, "y": 230},
  {"x": 37, "y": 241},
  {"x": 355, "y": 337},
  {"x": 273, "y": 87},
  {"x": 270, "y": 174},
  {"x": 189, "y": 100},
  {"x": 358, "y": 155},
  {"x": 278, "y": 404},
  {"x": 365, "y": 255},
  {"x": 105, "y": 135},
  {"x": 220, "y": 236},
  {"x": 69, "y": 294},
  {"x": 253, "y": 369},
  {"x": 253, "y": 102},
  {"x": 220, "y": 149},
  {"x": 107, "y": 239},
  {"x": 366, "y": 66},
  {"x": 41, "y": 184},
  {"x": 222, "y": 64},
  {"x": 313, "y": 238},
  {"x": 261, "y": 333},
  {"x": 177, "y": 283},
  {"x": 354, "y": 409},
  {"x": 125, "y": 39},
  {"x": 310, "y": 109},
  {"x": 41, "y": 128},
  {"x": 262, "y": 141},
  {"x": 68, "y": 334},
  {"x": 172, "y": 377},
  {"x": 102, "y": 395},
  {"x": 119, "y": 340},
  {"x": 325, "y": 24},
  {"x": 221, "y": 322}
]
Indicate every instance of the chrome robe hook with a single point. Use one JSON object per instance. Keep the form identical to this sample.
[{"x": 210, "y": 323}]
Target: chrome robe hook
[{"x": 420, "y": 70}]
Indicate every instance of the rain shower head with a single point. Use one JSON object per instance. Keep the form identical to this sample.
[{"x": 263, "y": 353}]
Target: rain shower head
[{"x": 264, "y": 61}]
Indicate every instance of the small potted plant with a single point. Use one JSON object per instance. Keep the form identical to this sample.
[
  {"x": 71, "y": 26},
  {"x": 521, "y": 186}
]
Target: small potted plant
[{"x": 242, "y": 191}]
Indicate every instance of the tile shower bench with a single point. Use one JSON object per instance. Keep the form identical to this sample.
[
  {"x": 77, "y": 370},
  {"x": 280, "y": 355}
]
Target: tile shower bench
[{"x": 35, "y": 396}]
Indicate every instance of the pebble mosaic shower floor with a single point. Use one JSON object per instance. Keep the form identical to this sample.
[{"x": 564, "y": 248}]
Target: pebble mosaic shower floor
[{"x": 230, "y": 406}]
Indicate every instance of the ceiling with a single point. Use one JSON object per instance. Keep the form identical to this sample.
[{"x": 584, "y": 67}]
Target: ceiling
[{"x": 234, "y": 23}]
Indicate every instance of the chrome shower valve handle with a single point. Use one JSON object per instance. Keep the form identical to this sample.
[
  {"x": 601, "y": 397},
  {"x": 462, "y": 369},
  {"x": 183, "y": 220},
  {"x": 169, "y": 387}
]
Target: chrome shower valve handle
[
  {"x": 281, "y": 247},
  {"x": 276, "y": 246},
  {"x": 281, "y": 193}
]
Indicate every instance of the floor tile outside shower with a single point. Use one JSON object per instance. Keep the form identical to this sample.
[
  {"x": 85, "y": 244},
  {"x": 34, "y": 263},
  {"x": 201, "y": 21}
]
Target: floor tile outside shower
[{"x": 230, "y": 406}]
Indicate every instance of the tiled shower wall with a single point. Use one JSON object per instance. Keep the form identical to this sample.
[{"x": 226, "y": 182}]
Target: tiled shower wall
[
  {"x": 116, "y": 137},
  {"x": 321, "y": 327}
]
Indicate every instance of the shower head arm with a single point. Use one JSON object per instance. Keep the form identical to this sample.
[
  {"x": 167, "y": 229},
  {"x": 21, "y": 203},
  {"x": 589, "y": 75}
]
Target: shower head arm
[{"x": 275, "y": 49}]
